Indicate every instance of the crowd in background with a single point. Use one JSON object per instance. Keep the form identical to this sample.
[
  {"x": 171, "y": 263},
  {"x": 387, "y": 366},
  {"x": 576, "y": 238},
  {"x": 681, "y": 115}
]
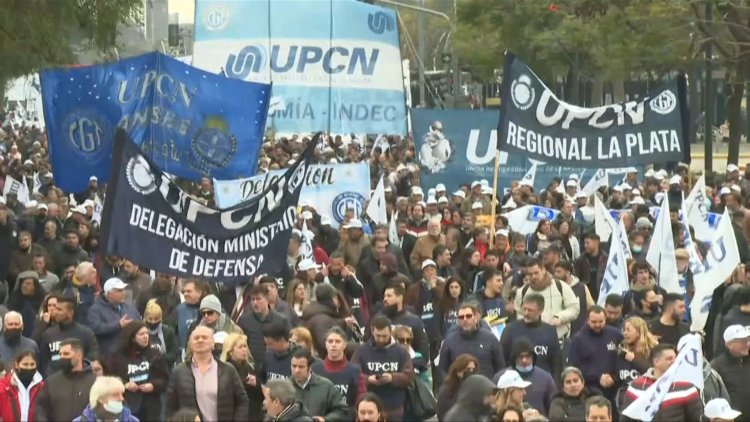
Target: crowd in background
[{"x": 496, "y": 325}]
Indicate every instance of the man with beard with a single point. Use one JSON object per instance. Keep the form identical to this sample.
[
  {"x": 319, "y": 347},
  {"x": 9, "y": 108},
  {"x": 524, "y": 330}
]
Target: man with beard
[
  {"x": 23, "y": 257},
  {"x": 591, "y": 264},
  {"x": 111, "y": 268},
  {"x": 594, "y": 350},
  {"x": 70, "y": 253},
  {"x": 387, "y": 367},
  {"x": 613, "y": 308},
  {"x": 137, "y": 281},
  {"x": 669, "y": 328},
  {"x": 355, "y": 242},
  {"x": 163, "y": 290},
  {"x": 50, "y": 343},
  {"x": 426, "y": 244},
  {"x": 394, "y": 307},
  {"x": 50, "y": 241},
  {"x": 472, "y": 339},
  {"x": 13, "y": 342}
]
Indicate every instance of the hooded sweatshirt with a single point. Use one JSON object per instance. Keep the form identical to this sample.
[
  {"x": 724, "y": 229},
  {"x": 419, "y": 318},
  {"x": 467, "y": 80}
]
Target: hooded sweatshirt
[
  {"x": 542, "y": 390},
  {"x": 470, "y": 405}
]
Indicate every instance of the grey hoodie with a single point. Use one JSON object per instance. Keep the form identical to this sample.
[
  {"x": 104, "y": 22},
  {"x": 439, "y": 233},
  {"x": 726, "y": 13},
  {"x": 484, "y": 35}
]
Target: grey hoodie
[{"x": 470, "y": 404}]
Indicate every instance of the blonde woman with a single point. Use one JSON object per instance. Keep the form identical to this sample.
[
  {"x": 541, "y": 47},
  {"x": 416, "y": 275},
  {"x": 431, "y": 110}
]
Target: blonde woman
[
  {"x": 302, "y": 337},
  {"x": 297, "y": 296},
  {"x": 512, "y": 392},
  {"x": 236, "y": 353},
  {"x": 160, "y": 335},
  {"x": 635, "y": 349}
]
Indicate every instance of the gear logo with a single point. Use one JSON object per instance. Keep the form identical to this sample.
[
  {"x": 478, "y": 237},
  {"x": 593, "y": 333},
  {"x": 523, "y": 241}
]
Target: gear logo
[
  {"x": 664, "y": 103},
  {"x": 522, "y": 93},
  {"x": 140, "y": 177}
]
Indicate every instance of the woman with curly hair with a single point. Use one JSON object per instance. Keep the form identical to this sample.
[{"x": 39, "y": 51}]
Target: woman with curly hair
[
  {"x": 464, "y": 366},
  {"x": 447, "y": 312},
  {"x": 635, "y": 349}
]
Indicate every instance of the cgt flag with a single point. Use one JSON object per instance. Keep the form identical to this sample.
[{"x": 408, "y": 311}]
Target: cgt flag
[
  {"x": 534, "y": 122},
  {"x": 189, "y": 122},
  {"x": 148, "y": 219}
]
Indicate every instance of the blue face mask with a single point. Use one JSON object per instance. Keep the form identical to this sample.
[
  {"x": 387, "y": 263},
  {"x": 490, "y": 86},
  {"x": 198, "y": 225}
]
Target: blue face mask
[
  {"x": 636, "y": 248},
  {"x": 524, "y": 369},
  {"x": 113, "y": 406}
]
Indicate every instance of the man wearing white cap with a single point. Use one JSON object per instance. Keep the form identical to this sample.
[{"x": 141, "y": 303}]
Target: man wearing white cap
[
  {"x": 440, "y": 190},
  {"x": 475, "y": 196},
  {"x": 733, "y": 173},
  {"x": 426, "y": 244},
  {"x": 719, "y": 410},
  {"x": 110, "y": 313},
  {"x": 733, "y": 366},
  {"x": 354, "y": 243}
]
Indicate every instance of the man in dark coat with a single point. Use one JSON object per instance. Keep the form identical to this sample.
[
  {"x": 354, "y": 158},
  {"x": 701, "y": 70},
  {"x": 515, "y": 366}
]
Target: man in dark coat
[{"x": 475, "y": 399}]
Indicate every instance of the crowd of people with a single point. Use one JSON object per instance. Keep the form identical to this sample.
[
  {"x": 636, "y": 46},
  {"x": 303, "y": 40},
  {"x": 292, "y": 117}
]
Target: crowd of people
[{"x": 443, "y": 319}]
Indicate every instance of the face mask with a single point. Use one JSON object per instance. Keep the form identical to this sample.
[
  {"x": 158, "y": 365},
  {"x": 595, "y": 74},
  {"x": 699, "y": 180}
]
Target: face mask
[
  {"x": 113, "y": 406},
  {"x": 636, "y": 248},
  {"x": 469, "y": 372},
  {"x": 12, "y": 334},
  {"x": 153, "y": 325},
  {"x": 66, "y": 365},
  {"x": 25, "y": 375},
  {"x": 524, "y": 369}
]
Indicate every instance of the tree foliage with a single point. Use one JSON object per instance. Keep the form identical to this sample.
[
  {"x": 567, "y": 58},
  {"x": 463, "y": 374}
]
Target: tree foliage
[{"x": 38, "y": 33}]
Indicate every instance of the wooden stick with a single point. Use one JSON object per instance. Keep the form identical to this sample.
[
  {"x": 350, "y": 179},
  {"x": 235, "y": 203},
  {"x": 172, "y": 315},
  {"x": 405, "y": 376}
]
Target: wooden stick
[{"x": 493, "y": 209}]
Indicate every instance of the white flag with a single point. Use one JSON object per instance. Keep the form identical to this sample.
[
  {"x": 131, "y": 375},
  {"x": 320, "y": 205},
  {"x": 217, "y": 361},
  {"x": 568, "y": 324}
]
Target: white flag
[
  {"x": 306, "y": 247},
  {"x": 696, "y": 262},
  {"x": 661, "y": 251},
  {"x": 530, "y": 175},
  {"x": 604, "y": 224},
  {"x": 98, "y": 208},
  {"x": 37, "y": 183},
  {"x": 13, "y": 186},
  {"x": 688, "y": 367},
  {"x": 393, "y": 230},
  {"x": 721, "y": 260},
  {"x": 376, "y": 209},
  {"x": 697, "y": 206},
  {"x": 616, "y": 274},
  {"x": 599, "y": 179}
]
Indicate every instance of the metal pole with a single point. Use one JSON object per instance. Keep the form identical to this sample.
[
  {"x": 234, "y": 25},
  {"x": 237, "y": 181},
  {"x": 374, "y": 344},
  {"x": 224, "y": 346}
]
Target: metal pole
[
  {"x": 421, "y": 47},
  {"x": 709, "y": 95}
]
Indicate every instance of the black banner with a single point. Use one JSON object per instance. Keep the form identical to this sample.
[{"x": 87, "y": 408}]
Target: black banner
[
  {"x": 534, "y": 122},
  {"x": 150, "y": 220}
]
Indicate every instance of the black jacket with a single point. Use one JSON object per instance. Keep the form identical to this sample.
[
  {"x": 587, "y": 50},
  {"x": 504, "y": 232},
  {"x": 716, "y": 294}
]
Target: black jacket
[
  {"x": 232, "y": 400},
  {"x": 64, "y": 395},
  {"x": 141, "y": 367},
  {"x": 735, "y": 372},
  {"x": 293, "y": 413},
  {"x": 254, "y": 394},
  {"x": 470, "y": 404},
  {"x": 253, "y": 328}
]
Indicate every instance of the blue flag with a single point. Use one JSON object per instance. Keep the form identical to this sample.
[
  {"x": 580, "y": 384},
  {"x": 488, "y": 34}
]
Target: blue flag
[{"x": 189, "y": 122}]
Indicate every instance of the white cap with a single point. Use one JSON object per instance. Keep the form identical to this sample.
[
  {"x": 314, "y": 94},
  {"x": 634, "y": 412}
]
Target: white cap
[
  {"x": 736, "y": 188},
  {"x": 571, "y": 183},
  {"x": 527, "y": 182},
  {"x": 581, "y": 195},
  {"x": 486, "y": 190},
  {"x": 637, "y": 192},
  {"x": 440, "y": 187},
  {"x": 502, "y": 232},
  {"x": 325, "y": 220},
  {"x": 484, "y": 183},
  {"x": 475, "y": 184},
  {"x": 388, "y": 189},
  {"x": 93, "y": 179},
  {"x": 220, "y": 337},
  {"x": 114, "y": 283},
  {"x": 353, "y": 224},
  {"x": 732, "y": 168},
  {"x": 725, "y": 191},
  {"x": 41, "y": 206},
  {"x": 675, "y": 180},
  {"x": 307, "y": 264},
  {"x": 626, "y": 186},
  {"x": 631, "y": 170},
  {"x": 460, "y": 194},
  {"x": 80, "y": 210},
  {"x": 31, "y": 204},
  {"x": 573, "y": 177},
  {"x": 477, "y": 206},
  {"x": 511, "y": 379},
  {"x": 638, "y": 201},
  {"x": 416, "y": 190},
  {"x": 720, "y": 409},
  {"x": 431, "y": 201},
  {"x": 661, "y": 174},
  {"x": 28, "y": 163},
  {"x": 431, "y": 192},
  {"x": 617, "y": 188},
  {"x": 736, "y": 332},
  {"x": 306, "y": 215},
  {"x": 88, "y": 203},
  {"x": 443, "y": 200},
  {"x": 427, "y": 262},
  {"x": 650, "y": 173}
]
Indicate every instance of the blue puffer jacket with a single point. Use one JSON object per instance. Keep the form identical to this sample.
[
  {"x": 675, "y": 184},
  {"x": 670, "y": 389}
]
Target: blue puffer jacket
[
  {"x": 104, "y": 321},
  {"x": 89, "y": 415}
]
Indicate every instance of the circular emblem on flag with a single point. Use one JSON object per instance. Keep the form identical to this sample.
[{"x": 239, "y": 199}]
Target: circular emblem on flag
[
  {"x": 216, "y": 18},
  {"x": 347, "y": 201},
  {"x": 664, "y": 103},
  {"x": 214, "y": 146},
  {"x": 522, "y": 93},
  {"x": 139, "y": 175},
  {"x": 87, "y": 132}
]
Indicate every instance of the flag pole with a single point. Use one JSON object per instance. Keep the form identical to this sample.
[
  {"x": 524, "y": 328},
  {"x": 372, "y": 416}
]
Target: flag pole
[{"x": 493, "y": 209}]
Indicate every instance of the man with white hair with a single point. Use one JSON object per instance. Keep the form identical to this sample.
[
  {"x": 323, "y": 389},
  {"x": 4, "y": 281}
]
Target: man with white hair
[
  {"x": 82, "y": 286},
  {"x": 109, "y": 313},
  {"x": 206, "y": 384},
  {"x": 13, "y": 342},
  {"x": 426, "y": 244},
  {"x": 281, "y": 401},
  {"x": 106, "y": 402}
]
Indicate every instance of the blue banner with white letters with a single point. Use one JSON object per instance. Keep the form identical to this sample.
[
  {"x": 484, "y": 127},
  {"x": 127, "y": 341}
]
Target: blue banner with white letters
[
  {"x": 456, "y": 147},
  {"x": 189, "y": 122},
  {"x": 335, "y": 65}
]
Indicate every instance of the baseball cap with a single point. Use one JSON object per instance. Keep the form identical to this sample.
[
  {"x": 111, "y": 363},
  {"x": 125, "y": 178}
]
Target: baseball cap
[
  {"x": 511, "y": 379},
  {"x": 502, "y": 232},
  {"x": 460, "y": 193},
  {"x": 307, "y": 215},
  {"x": 325, "y": 220},
  {"x": 353, "y": 224},
  {"x": 113, "y": 284},
  {"x": 41, "y": 206},
  {"x": 573, "y": 177},
  {"x": 307, "y": 264},
  {"x": 617, "y": 188},
  {"x": 477, "y": 206},
  {"x": 650, "y": 173},
  {"x": 442, "y": 200},
  {"x": 427, "y": 262},
  {"x": 736, "y": 332},
  {"x": 725, "y": 191},
  {"x": 526, "y": 182},
  {"x": 636, "y": 192},
  {"x": 643, "y": 223},
  {"x": 93, "y": 179},
  {"x": 675, "y": 180},
  {"x": 638, "y": 201},
  {"x": 720, "y": 409},
  {"x": 431, "y": 201},
  {"x": 440, "y": 187},
  {"x": 580, "y": 195},
  {"x": 731, "y": 168},
  {"x": 571, "y": 183},
  {"x": 416, "y": 190},
  {"x": 475, "y": 184},
  {"x": 626, "y": 186}
]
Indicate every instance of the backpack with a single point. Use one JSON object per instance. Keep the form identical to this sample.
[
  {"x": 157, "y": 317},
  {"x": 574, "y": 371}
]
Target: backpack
[{"x": 558, "y": 284}]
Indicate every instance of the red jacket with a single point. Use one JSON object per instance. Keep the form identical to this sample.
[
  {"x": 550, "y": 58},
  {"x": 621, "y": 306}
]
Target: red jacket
[{"x": 10, "y": 409}]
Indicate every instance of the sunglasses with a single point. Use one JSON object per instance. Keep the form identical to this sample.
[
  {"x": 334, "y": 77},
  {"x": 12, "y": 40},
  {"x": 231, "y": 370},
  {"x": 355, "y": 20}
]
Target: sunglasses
[
  {"x": 465, "y": 316},
  {"x": 204, "y": 313},
  {"x": 404, "y": 340}
]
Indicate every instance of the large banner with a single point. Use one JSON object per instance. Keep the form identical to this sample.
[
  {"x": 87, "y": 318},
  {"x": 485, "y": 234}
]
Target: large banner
[
  {"x": 335, "y": 65},
  {"x": 534, "y": 122},
  {"x": 456, "y": 147},
  {"x": 330, "y": 188},
  {"x": 149, "y": 220},
  {"x": 191, "y": 123}
]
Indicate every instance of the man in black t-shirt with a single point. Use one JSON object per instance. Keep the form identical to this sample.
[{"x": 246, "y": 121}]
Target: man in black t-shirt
[{"x": 669, "y": 327}]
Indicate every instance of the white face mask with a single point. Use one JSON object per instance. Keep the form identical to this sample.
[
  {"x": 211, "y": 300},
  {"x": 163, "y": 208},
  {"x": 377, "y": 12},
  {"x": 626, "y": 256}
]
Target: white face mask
[{"x": 113, "y": 406}]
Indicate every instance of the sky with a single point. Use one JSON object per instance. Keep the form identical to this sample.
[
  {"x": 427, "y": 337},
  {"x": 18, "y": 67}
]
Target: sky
[{"x": 186, "y": 9}]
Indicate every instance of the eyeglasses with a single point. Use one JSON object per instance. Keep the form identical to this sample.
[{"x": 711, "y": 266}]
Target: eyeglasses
[
  {"x": 465, "y": 316},
  {"x": 205, "y": 313},
  {"x": 404, "y": 340}
]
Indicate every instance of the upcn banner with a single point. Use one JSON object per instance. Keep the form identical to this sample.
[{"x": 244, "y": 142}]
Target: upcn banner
[
  {"x": 537, "y": 124},
  {"x": 456, "y": 147},
  {"x": 329, "y": 188},
  {"x": 335, "y": 65}
]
